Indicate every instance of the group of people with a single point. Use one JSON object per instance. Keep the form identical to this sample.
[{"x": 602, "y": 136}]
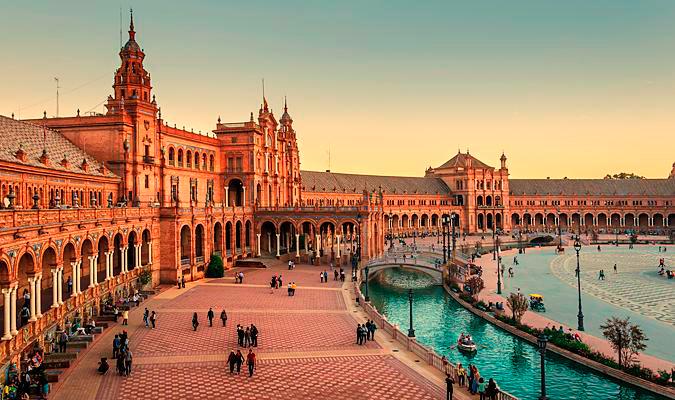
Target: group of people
[
  {"x": 18, "y": 383},
  {"x": 121, "y": 353},
  {"x": 365, "y": 332},
  {"x": 210, "y": 315},
  {"x": 236, "y": 359},
  {"x": 149, "y": 318},
  {"x": 247, "y": 336},
  {"x": 239, "y": 277}
]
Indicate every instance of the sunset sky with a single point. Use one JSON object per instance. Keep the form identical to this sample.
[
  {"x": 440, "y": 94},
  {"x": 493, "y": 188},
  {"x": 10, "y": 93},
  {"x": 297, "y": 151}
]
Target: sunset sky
[{"x": 565, "y": 88}]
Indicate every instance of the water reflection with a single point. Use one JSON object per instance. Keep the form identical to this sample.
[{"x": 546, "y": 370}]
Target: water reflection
[{"x": 514, "y": 363}]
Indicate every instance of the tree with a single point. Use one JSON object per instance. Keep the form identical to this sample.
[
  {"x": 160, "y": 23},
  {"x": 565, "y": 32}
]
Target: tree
[
  {"x": 518, "y": 304},
  {"x": 624, "y": 175},
  {"x": 475, "y": 284},
  {"x": 626, "y": 339},
  {"x": 215, "y": 268}
]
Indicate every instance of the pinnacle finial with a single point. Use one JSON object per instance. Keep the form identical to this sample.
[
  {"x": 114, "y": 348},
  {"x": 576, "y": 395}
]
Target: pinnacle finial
[
  {"x": 132, "y": 32},
  {"x": 285, "y": 105}
]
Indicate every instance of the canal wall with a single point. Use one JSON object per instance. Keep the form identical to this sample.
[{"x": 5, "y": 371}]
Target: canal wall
[
  {"x": 594, "y": 365},
  {"x": 425, "y": 353}
]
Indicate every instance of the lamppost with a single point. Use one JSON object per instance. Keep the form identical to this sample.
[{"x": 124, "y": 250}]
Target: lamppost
[
  {"x": 616, "y": 231},
  {"x": 494, "y": 242},
  {"x": 541, "y": 341},
  {"x": 391, "y": 230},
  {"x": 445, "y": 220},
  {"x": 367, "y": 297},
  {"x": 559, "y": 231},
  {"x": 499, "y": 273},
  {"x": 453, "y": 219},
  {"x": 411, "y": 331},
  {"x": 580, "y": 315},
  {"x": 358, "y": 238}
]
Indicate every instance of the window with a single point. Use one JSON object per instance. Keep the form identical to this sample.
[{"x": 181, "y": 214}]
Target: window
[
  {"x": 147, "y": 150},
  {"x": 147, "y": 181},
  {"x": 180, "y": 157},
  {"x": 211, "y": 163},
  {"x": 172, "y": 156}
]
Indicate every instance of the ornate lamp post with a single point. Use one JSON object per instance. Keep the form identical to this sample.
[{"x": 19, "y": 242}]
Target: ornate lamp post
[
  {"x": 499, "y": 273},
  {"x": 453, "y": 219},
  {"x": 541, "y": 342},
  {"x": 411, "y": 331},
  {"x": 580, "y": 315},
  {"x": 391, "y": 230},
  {"x": 559, "y": 231},
  {"x": 616, "y": 231},
  {"x": 494, "y": 242},
  {"x": 367, "y": 297},
  {"x": 445, "y": 220}
]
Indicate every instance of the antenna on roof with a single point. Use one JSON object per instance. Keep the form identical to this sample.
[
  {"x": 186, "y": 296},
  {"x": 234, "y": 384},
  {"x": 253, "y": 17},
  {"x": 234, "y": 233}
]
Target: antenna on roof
[
  {"x": 328, "y": 170},
  {"x": 57, "y": 96},
  {"x": 120, "y": 26}
]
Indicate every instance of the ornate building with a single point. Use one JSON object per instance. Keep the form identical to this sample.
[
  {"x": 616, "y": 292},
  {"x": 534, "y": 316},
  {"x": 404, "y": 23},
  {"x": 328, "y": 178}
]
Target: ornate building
[{"x": 89, "y": 202}]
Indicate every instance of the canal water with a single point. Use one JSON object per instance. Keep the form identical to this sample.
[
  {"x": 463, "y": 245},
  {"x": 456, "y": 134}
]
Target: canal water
[{"x": 514, "y": 363}]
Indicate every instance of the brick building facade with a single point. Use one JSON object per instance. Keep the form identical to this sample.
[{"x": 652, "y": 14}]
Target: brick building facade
[{"x": 97, "y": 199}]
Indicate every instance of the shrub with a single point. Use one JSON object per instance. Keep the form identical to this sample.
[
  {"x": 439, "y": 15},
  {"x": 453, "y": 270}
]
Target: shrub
[
  {"x": 145, "y": 277},
  {"x": 215, "y": 268},
  {"x": 518, "y": 304},
  {"x": 475, "y": 285}
]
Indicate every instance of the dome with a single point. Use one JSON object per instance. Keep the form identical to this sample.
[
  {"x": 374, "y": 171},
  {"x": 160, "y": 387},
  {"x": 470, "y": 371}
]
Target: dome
[{"x": 131, "y": 45}]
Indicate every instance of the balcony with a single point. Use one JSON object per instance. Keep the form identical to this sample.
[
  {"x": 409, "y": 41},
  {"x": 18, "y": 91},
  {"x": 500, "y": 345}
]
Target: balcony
[
  {"x": 185, "y": 261},
  {"x": 200, "y": 259},
  {"x": 234, "y": 170},
  {"x": 148, "y": 159}
]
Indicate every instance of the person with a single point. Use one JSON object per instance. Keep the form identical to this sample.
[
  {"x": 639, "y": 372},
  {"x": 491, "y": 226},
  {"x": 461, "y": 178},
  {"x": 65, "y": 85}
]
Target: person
[
  {"x": 461, "y": 374},
  {"x": 599, "y": 248},
  {"x": 26, "y": 297},
  {"x": 240, "y": 360},
  {"x": 103, "y": 366},
  {"x": 182, "y": 281},
  {"x": 448, "y": 386},
  {"x": 359, "y": 334},
  {"x": 280, "y": 282},
  {"x": 254, "y": 336},
  {"x": 321, "y": 277},
  {"x": 232, "y": 361},
  {"x": 482, "y": 385},
  {"x": 240, "y": 335},
  {"x": 63, "y": 341},
  {"x": 69, "y": 283},
  {"x": 146, "y": 316},
  {"x": 195, "y": 322},
  {"x": 247, "y": 337},
  {"x": 372, "y": 328},
  {"x": 136, "y": 299},
  {"x": 250, "y": 362},
  {"x": 492, "y": 390},
  {"x": 116, "y": 346},
  {"x": 223, "y": 317},
  {"x": 241, "y": 277},
  {"x": 615, "y": 269},
  {"x": 128, "y": 357},
  {"x": 153, "y": 319},
  {"x": 25, "y": 315},
  {"x": 125, "y": 317},
  {"x": 44, "y": 386},
  {"x": 290, "y": 265},
  {"x": 510, "y": 272},
  {"x": 336, "y": 274},
  {"x": 210, "y": 316}
]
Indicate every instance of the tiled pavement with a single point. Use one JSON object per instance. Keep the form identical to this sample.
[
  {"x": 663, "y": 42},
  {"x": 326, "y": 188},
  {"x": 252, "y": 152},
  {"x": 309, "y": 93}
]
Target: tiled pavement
[{"x": 306, "y": 348}]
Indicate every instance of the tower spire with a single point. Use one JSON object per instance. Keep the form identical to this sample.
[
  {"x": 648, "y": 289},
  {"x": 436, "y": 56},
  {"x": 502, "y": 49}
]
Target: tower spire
[{"x": 132, "y": 32}]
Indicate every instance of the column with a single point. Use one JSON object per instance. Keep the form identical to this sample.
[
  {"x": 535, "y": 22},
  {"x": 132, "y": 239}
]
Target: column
[
  {"x": 59, "y": 279},
  {"x": 31, "y": 283},
  {"x": 267, "y": 162},
  {"x": 258, "y": 241},
  {"x": 12, "y": 311},
  {"x": 269, "y": 242},
  {"x": 278, "y": 244},
  {"x": 7, "y": 333},
  {"x": 150, "y": 252},
  {"x": 337, "y": 237},
  {"x": 55, "y": 287},
  {"x": 95, "y": 272},
  {"x": 137, "y": 253},
  {"x": 227, "y": 196},
  {"x": 38, "y": 296},
  {"x": 243, "y": 196},
  {"x": 92, "y": 270},
  {"x": 297, "y": 245},
  {"x": 107, "y": 265},
  {"x": 305, "y": 244},
  {"x": 125, "y": 259},
  {"x": 76, "y": 279}
]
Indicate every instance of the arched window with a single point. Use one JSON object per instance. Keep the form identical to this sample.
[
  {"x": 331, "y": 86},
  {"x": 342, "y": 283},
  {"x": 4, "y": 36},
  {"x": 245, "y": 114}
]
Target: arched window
[
  {"x": 180, "y": 157},
  {"x": 188, "y": 159},
  {"x": 211, "y": 163},
  {"x": 196, "y": 160},
  {"x": 172, "y": 156},
  {"x": 204, "y": 161}
]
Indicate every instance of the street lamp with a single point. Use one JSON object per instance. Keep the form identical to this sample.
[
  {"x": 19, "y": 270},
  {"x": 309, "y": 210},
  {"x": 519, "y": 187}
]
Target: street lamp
[
  {"x": 616, "y": 231},
  {"x": 367, "y": 297},
  {"x": 411, "y": 331},
  {"x": 580, "y": 315},
  {"x": 559, "y": 232},
  {"x": 494, "y": 243},
  {"x": 445, "y": 221},
  {"x": 391, "y": 230},
  {"x": 499, "y": 274},
  {"x": 541, "y": 341}
]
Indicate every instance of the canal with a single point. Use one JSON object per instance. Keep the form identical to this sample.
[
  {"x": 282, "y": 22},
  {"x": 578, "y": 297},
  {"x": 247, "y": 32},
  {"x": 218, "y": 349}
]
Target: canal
[{"x": 514, "y": 363}]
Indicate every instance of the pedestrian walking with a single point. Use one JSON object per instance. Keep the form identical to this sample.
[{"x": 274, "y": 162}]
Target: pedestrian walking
[
  {"x": 247, "y": 337},
  {"x": 448, "y": 386},
  {"x": 146, "y": 317},
  {"x": 116, "y": 346},
  {"x": 250, "y": 362},
  {"x": 223, "y": 317},
  {"x": 128, "y": 357},
  {"x": 232, "y": 361},
  {"x": 254, "y": 336},
  {"x": 210, "y": 316},
  {"x": 372, "y": 329},
  {"x": 69, "y": 283},
  {"x": 182, "y": 281},
  {"x": 195, "y": 322},
  {"x": 240, "y": 336},
  {"x": 63, "y": 341},
  {"x": 153, "y": 319},
  {"x": 125, "y": 317},
  {"x": 615, "y": 269},
  {"x": 239, "y": 361}
]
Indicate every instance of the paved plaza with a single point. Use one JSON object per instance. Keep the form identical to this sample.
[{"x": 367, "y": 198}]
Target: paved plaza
[{"x": 306, "y": 347}]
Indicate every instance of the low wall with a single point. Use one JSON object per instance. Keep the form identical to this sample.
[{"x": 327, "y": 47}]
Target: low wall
[
  {"x": 594, "y": 365},
  {"x": 426, "y": 354}
]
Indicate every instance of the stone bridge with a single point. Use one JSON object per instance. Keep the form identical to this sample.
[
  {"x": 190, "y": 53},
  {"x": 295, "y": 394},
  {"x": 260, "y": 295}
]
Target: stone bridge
[{"x": 424, "y": 265}]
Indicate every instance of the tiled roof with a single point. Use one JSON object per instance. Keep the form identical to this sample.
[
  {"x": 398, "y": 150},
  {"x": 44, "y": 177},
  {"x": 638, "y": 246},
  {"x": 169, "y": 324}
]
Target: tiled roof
[
  {"x": 313, "y": 181},
  {"x": 607, "y": 187},
  {"x": 14, "y": 133},
  {"x": 460, "y": 160}
]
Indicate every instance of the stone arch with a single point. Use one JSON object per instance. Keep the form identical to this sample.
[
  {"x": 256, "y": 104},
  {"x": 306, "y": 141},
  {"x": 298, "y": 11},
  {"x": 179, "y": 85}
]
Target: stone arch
[
  {"x": 629, "y": 220},
  {"x": 199, "y": 240},
  {"x": 550, "y": 220},
  {"x": 527, "y": 219},
  {"x": 671, "y": 220},
  {"x": 188, "y": 159},
  {"x": 434, "y": 220},
  {"x": 218, "y": 238},
  {"x": 415, "y": 221},
  {"x": 68, "y": 255},
  {"x": 247, "y": 235},
  {"x": 488, "y": 201},
  {"x": 576, "y": 220},
  {"x": 179, "y": 157},
  {"x": 235, "y": 192},
  {"x": 424, "y": 221},
  {"x": 615, "y": 220},
  {"x": 118, "y": 243},
  {"x": 602, "y": 220},
  {"x": 48, "y": 262},
  {"x": 515, "y": 219},
  {"x": 197, "y": 159},
  {"x": 87, "y": 250},
  {"x": 228, "y": 238},
  {"x": 395, "y": 221},
  {"x": 657, "y": 220},
  {"x": 563, "y": 220},
  {"x": 268, "y": 232},
  {"x": 498, "y": 220},
  {"x": 588, "y": 219},
  {"x": 102, "y": 247},
  {"x": 404, "y": 221},
  {"x": 132, "y": 241},
  {"x": 172, "y": 156},
  {"x": 185, "y": 245},
  {"x": 146, "y": 242},
  {"x": 238, "y": 231},
  {"x": 538, "y": 219},
  {"x": 287, "y": 230},
  {"x": 479, "y": 200},
  {"x": 489, "y": 221},
  {"x": 643, "y": 220},
  {"x": 480, "y": 221},
  {"x": 5, "y": 271},
  {"x": 26, "y": 268}
]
